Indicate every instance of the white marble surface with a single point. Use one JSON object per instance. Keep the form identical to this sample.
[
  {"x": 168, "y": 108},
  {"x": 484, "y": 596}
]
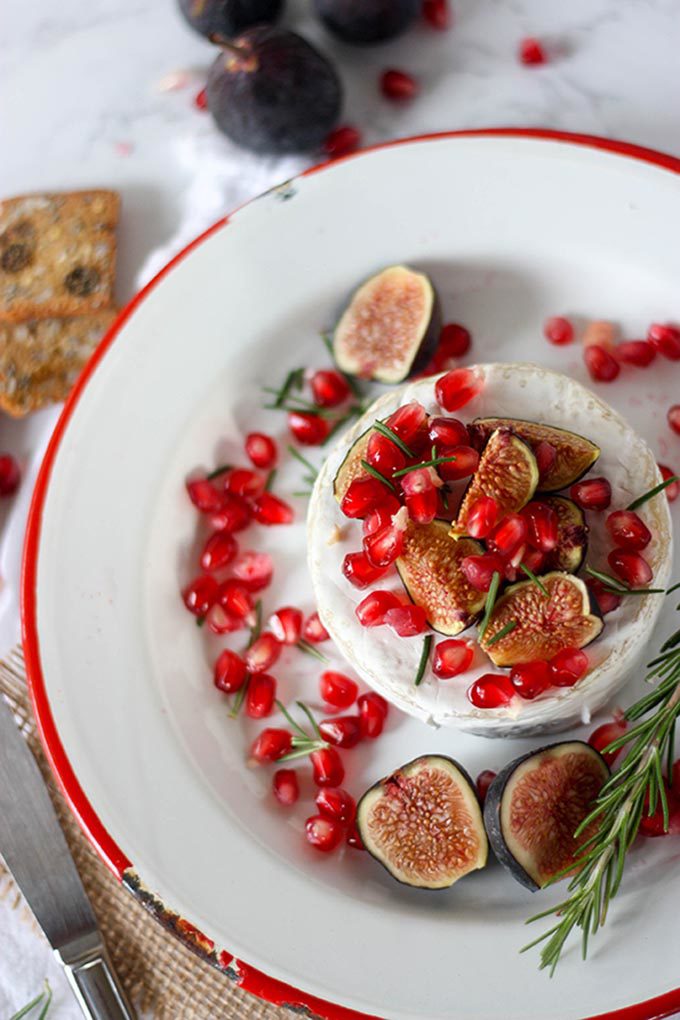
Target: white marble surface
[{"x": 82, "y": 104}]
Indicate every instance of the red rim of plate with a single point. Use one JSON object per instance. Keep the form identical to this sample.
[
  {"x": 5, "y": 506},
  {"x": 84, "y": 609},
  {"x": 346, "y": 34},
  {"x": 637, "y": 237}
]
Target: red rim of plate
[{"x": 113, "y": 856}]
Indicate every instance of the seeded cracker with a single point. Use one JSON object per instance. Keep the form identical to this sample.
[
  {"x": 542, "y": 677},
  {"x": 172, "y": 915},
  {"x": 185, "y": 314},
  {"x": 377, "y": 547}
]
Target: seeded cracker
[{"x": 57, "y": 254}]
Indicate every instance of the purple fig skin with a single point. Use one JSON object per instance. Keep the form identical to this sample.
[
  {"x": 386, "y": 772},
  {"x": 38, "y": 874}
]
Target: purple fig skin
[
  {"x": 364, "y": 22},
  {"x": 229, "y": 17}
]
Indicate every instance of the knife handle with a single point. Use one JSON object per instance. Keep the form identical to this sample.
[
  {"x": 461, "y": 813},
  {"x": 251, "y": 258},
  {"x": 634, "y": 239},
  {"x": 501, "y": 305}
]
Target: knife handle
[{"x": 95, "y": 983}]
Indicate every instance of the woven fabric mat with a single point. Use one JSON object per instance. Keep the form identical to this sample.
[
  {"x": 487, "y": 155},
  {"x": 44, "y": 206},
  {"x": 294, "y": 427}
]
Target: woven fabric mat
[{"x": 162, "y": 977}]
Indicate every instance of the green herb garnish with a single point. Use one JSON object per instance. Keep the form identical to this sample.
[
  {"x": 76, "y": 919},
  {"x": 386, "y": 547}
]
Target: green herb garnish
[
  {"x": 490, "y": 602},
  {"x": 424, "y": 656},
  {"x": 387, "y": 432},
  {"x": 652, "y": 492},
  {"x": 507, "y": 628},
  {"x": 376, "y": 474}
]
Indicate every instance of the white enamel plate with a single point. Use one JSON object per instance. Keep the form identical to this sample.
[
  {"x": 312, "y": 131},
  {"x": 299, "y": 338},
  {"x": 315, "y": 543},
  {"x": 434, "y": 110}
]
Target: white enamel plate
[{"x": 512, "y": 228}]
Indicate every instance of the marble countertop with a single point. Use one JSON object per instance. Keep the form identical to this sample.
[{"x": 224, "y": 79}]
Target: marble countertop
[{"x": 86, "y": 101}]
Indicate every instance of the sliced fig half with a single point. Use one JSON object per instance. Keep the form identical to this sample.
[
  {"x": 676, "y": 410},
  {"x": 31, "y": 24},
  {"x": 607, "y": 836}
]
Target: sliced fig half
[
  {"x": 390, "y": 327},
  {"x": 430, "y": 569},
  {"x": 507, "y": 472},
  {"x": 535, "y": 805},
  {"x": 424, "y": 823},
  {"x": 542, "y": 624},
  {"x": 351, "y": 467},
  {"x": 572, "y": 535},
  {"x": 574, "y": 454}
]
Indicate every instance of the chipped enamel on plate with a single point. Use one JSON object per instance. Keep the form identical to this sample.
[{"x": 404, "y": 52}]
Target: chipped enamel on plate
[{"x": 389, "y": 663}]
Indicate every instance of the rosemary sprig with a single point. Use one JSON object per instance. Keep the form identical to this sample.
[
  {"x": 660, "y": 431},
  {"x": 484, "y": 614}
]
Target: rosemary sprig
[
  {"x": 310, "y": 649},
  {"x": 433, "y": 462},
  {"x": 298, "y": 404},
  {"x": 636, "y": 786},
  {"x": 618, "y": 587},
  {"x": 222, "y": 469},
  {"x": 294, "y": 380},
  {"x": 424, "y": 656},
  {"x": 507, "y": 628},
  {"x": 303, "y": 742},
  {"x": 313, "y": 471},
  {"x": 490, "y": 602},
  {"x": 376, "y": 474},
  {"x": 270, "y": 480},
  {"x": 532, "y": 577},
  {"x": 44, "y": 999},
  {"x": 387, "y": 432},
  {"x": 652, "y": 492}
]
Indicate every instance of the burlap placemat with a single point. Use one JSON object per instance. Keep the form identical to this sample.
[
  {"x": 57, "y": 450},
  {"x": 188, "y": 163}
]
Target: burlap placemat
[{"x": 162, "y": 977}]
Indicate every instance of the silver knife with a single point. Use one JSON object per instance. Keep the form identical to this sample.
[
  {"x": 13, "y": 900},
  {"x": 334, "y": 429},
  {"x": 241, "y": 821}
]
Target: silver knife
[{"x": 35, "y": 851}]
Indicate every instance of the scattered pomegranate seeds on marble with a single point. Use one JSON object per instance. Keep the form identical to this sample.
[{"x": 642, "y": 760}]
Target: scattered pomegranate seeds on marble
[
  {"x": 567, "y": 667},
  {"x": 673, "y": 490},
  {"x": 342, "y": 141},
  {"x": 336, "y": 803},
  {"x": 271, "y": 510},
  {"x": 437, "y": 14},
  {"x": 337, "y": 689},
  {"x": 600, "y": 333},
  {"x": 531, "y": 52},
  {"x": 201, "y": 100},
  {"x": 665, "y": 340},
  {"x": 260, "y": 696},
  {"x": 285, "y": 787},
  {"x": 373, "y": 711},
  {"x": 359, "y": 570},
  {"x": 457, "y": 388},
  {"x": 230, "y": 672},
  {"x": 263, "y": 653},
  {"x": 255, "y": 569},
  {"x": 329, "y": 388},
  {"x": 601, "y": 365},
  {"x": 308, "y": 429},
  {"x": 631, "y": 567},
  {"x": 341, "y": 731},
  {"x": 482, "y": 516},
  {"x": 261, "y": 449},
  {"x": 595, "y": 494},
  {"x": 398, "y": 85},
  {"x": 323, "y": 833},
  {"x": 371, "y": 611},
  {"x": 558, "y": 330},
  {"x": 286, "y": 625},
  {"x": 636, "y": 352},
  {"x": 627, "y": 530},
  {"x": 454, "y": 342},
  {"x": 200, "y": 594},
  {"x": 451, "y": 657},
  {"x": 483, "y": 782},
  {"x": 492, "y": 690},
  {"x": 314, "y": 631},
  {"x": 327, "y": 767},
  {"x": 10, "y": 475},
  {"x": 605, "y": 735},
  {"x": 406, "y": 621},
  {"x": 674, "y": 418},
  {"x": 270, "y": 745},
  {"x": 531, "y": 678}
]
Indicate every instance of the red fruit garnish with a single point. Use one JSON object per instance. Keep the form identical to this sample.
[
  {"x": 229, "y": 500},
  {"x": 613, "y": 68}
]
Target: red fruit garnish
[
  {"x": 482, "y": 516},
  {"x": 627, "y": 530},
  {"x": 595, "y": 494},
  {"x": 235, "y": 597},
  {"x": 201, "y": 100},
  {"x": 234, "y": 514},
  {"x": 329, "y": 388},
  {"x": 606, "y": 600},
  {"x": 260, "y": 696},
  {"x": 341, "y": 141},
  {"x": 341, "y": 731},
  {"x": 483, "y": 782},
  {"x": 263, "y": 653},
  {"x": 308, "y": 429},
  {"x": 604, "y": 735},
  {"x": 674, "y": 418},
  {"x": 407, "y": 621},
  {"x": 451, "y": 657},
  {"x": 398, "y": 85},
  {"x": 336, "y": 803},
  {"x": 437, "y": 14},
  {"x": 230, "y": 672},
  {"x": 327, "y": 767},
  {"x": 531, "y": 54},
  {"x": 492, "y": 690},
  {"x": 543, "y": 525},
  {"x": 285, "y": 786},
  {"x": 465, "y": 463},
  {"x": 510, "y": 536},
  {"x": 354, "y": 838},
  {"x": 362, "y": 496},
  {"x": 654, "y": 824},
  {"x": 558, "y": 330},
  {"x": 546, "y": 455},
  {"x": 531, "y": 678},
  {"x": 636, "y": 352},
  {"x": 446, "y": 433},
  {"x": 454, "y": 342},
  {"x": 271, "y": 744},
  {"x": 261, "y": 449},
  {"x": 322, "y": 833},
  {"x": 567, "y": 667},
  {"x": 384, "y": 455},
  {"x": 255, "y": 569},
  {"x": 218, "y": 551},
  {"x": 479, "y": 570},
  {"x": 359, "y": 570},
  {"x": 665, "y": 340},
  {"x": 10, "y": 475},
  {"x": 673, "y": 490},
  {"x": 383, "y": 547},
  {"x": 376, "y": 519},
  {"x": 244, "y": 482},
  {"x": 220, "y": 621},
  {"x": 372, "y": 714},
  {"x": 200, "y": 594},
  {"x": 314, "y": 631},
  {"x": 269, "y": 509},
  {"x": 371, "y": 610},
  {"x": 457, "y": 388},
  {"x": 338, "y": 690},
  {"x": 202, "y": 493},
  {"x": 423, "y": 506},
  {"x": 631, "y": 567},
  {"x": 534, "y": 559},
  {"x": 408, "y": 422},
  {"x": 676, "y": 778},
  {"x": 601, "y": 365},
  {"x": 286, "y": 625}
]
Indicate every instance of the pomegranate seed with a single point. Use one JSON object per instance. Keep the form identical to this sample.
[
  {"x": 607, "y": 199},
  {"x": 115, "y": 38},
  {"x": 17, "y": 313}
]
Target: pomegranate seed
[
  {"x": 371, "y": 610},
  {"x": 534, "y": 559},
  {"x": 531, "y": 54},
  {"x": 465, "y": 463},
  {"x": 375, "y": 520},
  {"x": 546, "y": 455},
  {"x": 322, "y": 833},
  {"x": 423, "y": 506},
  {"x": 308, "y": 429},
  {"x": 220, "y": 549},
  {"x": 437, "y": 14},
  {"x": 595, "y": 494},
  {"x": 338, "y": 690},
  {"x": 398, "y": 85},
  {"x": 479, "y": 570},
  {"x": 673, "y": 490},
  {"x": 201, "y": 100},
  {"x": 314, "y": 631},
  {"x": 372, "y": 714},
  {"x": 543, "y": 525},
  {"x": 233, "y": 515},
  {"x": 261, "y": 449},
  {"x": 606, "y": 600},
  {"x": 451, "y": 657},
  {"x": 359, "y": 570},
  {"x": 269, "y": 509},
  {"x": 483, "y": 782},
  {"x": 244, "y": 482},
  {"x": 10, "y": 475},
  {"x": 286, "y": 625},
  {"x": 200, "y": 594},
  {"x": 482, "y": 516},
  {"x": 362, "y": 496},
  {"x": 567, "y": 667},
  {"x": 235, "y": 598},
  {"x": 384, "y": 546},
  {"x": 285, "y": 786},
  {"x": 676, "y": 778},
  {"x": 255, "y": 569},
  {"x": 457, "y": 388},
  {"x": 202, "y": 494},
  {"x": 409, "y": 422},
  {"x": 336, "y": 803},
  {"x": 530, "y": 678},
  {"x": 510, "y": 535},
  {"x": 605, "y": 735},
  {"x": 354, "y": 838},
  {"x": 674, "y": 418},
  {"x": 271, "y": 744},
  {"x": 384, "y": 455},
  {"x": 627, "y": 530},
  {"x": 220, "y": 621},
  {"x": 263, "y": 653},
  {"x": 665, "y": 340},
  {"x": 341, "y": 731},
  {"x": 600, "y": 333},
  {"x": 230, "y": 672},
  {"x": 447, "y": 432},
  {"x": 636, "y": 352},
  {"x": 454, "y": 342},
  {"x": 329, "y": 388},
  {"x": 406, "y": 621},
  {"x": 327, "y": 767},
  {"x": 341, "y": 141},
  {"x": 492, "y": 690},
  {"x": 631, "y": 567},
  {"x": 558, "y": 330},
  {"x": 260, "y": 696},
  {"x": 602, "y": 366}
]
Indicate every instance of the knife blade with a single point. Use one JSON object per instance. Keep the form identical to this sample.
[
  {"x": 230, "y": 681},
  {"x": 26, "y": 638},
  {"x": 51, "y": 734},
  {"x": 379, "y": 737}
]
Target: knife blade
[{"x": 35, "y": 851}]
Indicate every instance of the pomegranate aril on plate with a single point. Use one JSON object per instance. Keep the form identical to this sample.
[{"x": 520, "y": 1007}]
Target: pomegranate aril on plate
[
  {"x": 457, "y": 388},
  {"x": 546, "y": 455},
  {"x": 674, "y": 418},
  {"x": 420, "y": 493},
  {"x": 673, "y": 490},
  {"x": 204, "y": 495},
  {"x": 483, "y": 782},
  {"x": 230, "y": 672},
  {"x": 636, "y": 352},
  {"x": 605, "y": 735},
  {"x": 354, "y": 838},
  {"x": 342, "y": 141},
  {"x": 510, "y": 535},
  {"x": 201, "y": 100},
  {"x": 269, "y": 509},
  {"x": 479, "y": 570},
  {"x": 492, "y": 690},
  {"x": 327, "y": 767},
  {"x": 595, "y": 494},
  {"x": 371, "y": 611},
  {"x": 10, "y": 475},
  {"x": 606, "y": 600},
  {"x": 567, "y": 667},
  {"x": 531, "y": 678},
  {"x": 255, "y": 569},
  {"x": 334, "y": 802},
  {"x": 451, "y": 657},
  {"x": 359, "y": 570},
  {"x": 308, "y": 429},
  {"x": 261, "y": 449},
  {"x": 285, "y": 787},
  {"x": 631, "y": 567},
  {"x": 235, "y": 597},
  {"x": 329, "y": 388},
  {"x": 200, "y": 594},
  {"x": 408, "y": 422},
  {"x": 383, "y": 547},
  {"x": 221, "y": 621},
  {"x": 558, "y": 330},
  {"x": 398, "y": 85},
  {"x": 260, "y": 696},
  {"x": 627, "y": 530},
  {"x": 323, "y": 833},
  {"x": 482, "y": 517},
  {"x": 531, "y": 52},
  {"x": 665, "y": 340},
  {"x": 437, "y": 14},
  {"x": 341, "y": 731},
  {"x": 454, "y": 342},
  {"x": 372, "y": 714},
  {"x": 263, "y": 653},
  {"x": 384, "y": 455},
  {"x": 219, "y": 550},
  {"x": 407, "y": 621},
  {"x": 601, "y": 365},
  {"x": 286, "y": 625},
  {"x": 362, "y": 496},
  {"x": 543, "y": 525},
  {"x": 676, "y": 778},
  {"x": 447, "y": 432},
  {"x": 338, "y": 690},
  {"x": 244, "y": 482},
  {"x": 234, "y": 514},
  {"x": 314, "y": 631},
  {"x": 464, "y": 465},
  {"x": 271, "y": 745}
]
